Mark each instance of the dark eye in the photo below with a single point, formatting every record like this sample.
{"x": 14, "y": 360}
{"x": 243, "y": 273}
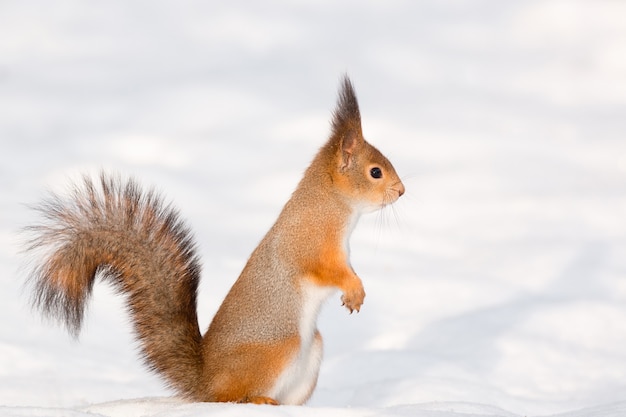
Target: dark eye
{"x": 376, "y": 173}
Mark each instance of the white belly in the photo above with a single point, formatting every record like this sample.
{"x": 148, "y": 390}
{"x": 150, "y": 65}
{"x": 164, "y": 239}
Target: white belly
{"x": 295, "y": 384}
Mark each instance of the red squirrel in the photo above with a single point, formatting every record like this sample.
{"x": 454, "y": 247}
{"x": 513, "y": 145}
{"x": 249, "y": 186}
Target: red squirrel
{"x": 263, "y": 345}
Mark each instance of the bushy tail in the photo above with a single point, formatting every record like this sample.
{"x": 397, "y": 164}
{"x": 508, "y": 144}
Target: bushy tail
{"x": 114, "y": 230}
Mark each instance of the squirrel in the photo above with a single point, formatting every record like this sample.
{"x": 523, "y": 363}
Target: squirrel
{"x": 263, "y": 345}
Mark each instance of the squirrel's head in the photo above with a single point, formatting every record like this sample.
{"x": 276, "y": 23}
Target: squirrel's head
{"x": 359, "y": 171}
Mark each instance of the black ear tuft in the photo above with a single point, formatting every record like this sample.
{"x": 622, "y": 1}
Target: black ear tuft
{"x": 346, "y": 116}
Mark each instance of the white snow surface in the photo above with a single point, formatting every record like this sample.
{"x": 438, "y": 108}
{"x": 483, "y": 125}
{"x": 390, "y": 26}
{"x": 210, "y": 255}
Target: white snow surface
{"x": 495, "y": 287}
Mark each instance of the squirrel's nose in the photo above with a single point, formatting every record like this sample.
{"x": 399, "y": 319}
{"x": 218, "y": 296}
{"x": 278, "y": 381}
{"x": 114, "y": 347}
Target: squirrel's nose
{"x": 400, "y": 190}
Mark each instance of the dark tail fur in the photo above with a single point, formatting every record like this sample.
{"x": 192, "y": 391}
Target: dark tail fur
{"x": 114, "y": 230}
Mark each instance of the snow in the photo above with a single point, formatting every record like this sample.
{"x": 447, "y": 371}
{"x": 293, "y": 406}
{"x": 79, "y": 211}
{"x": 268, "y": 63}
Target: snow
{"x": 496, "y": 286}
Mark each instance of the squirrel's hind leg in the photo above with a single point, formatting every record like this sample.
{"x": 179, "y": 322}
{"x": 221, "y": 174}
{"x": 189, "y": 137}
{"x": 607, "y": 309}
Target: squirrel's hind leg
{"x": 248, "y": 373}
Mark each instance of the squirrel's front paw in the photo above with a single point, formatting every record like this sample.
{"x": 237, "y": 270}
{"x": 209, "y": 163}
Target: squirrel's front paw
{"x": 353, "y": 298}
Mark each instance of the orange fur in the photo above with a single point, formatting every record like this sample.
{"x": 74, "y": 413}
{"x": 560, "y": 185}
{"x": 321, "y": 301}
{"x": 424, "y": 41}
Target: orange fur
{"x": 248, "y": 371}
{"x": 332, "y": 269}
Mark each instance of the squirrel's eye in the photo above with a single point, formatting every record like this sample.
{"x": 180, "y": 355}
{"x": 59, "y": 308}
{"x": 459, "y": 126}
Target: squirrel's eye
{"x": 376, "y": 173}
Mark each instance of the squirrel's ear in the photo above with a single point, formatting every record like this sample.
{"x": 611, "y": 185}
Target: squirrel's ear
{"x": 347, "y": 124}
{"x": 350, "y": 143}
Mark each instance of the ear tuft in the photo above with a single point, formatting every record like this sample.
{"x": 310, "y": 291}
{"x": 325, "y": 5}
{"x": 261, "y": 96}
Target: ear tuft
{"x": 347, "y": 123}
{"x": 346, "y": 115}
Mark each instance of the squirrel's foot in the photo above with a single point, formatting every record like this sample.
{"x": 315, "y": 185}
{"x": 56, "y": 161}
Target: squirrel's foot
{"x": 259, "y": 400}
{"x": 353, "y": 298}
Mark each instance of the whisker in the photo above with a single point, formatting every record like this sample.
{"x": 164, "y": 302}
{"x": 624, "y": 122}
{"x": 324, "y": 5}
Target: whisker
{"x": 396, "y": 209}
{"x": 396, "y": 217}
{"x": 412, "y": 198}
{"x": 380, "y": 218}
{"x": 384, "y": 220}
{"x": 408, "y": 177}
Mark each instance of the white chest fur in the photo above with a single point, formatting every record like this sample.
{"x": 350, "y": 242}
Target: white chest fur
{"x": 298, "y": 379}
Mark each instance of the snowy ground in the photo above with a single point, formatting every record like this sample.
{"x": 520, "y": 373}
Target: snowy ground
{"x": 496, "y": 286}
